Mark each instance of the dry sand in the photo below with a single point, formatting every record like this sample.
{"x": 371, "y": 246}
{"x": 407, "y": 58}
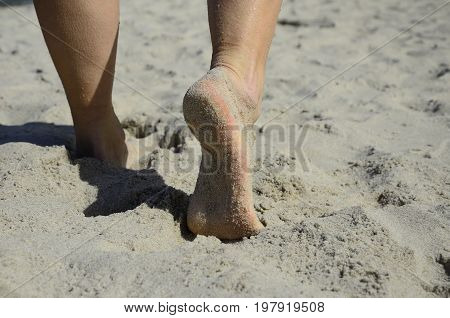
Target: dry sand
{"x": 369, "y": 217}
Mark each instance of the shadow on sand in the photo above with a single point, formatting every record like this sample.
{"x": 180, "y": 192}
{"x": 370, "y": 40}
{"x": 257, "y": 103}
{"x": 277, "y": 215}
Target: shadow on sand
{"x": 119, "y": 190}
{"x": 5, "y": 3}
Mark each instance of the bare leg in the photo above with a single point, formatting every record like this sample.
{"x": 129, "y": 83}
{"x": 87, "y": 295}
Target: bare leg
{"x": 82, "y": 39}
{"x": 222, "y": 102}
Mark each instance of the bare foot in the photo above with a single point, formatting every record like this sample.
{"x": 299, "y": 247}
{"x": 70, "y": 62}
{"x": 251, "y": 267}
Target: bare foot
{"x": 102, "y": 137}
{"x": 216, "y": 109}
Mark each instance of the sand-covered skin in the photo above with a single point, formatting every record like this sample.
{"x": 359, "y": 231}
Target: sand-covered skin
{"x": 369, "y": 217}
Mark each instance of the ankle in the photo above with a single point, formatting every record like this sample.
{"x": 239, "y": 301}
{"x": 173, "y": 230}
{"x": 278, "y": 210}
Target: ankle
{"x": 102, "y": 138}
{"x": 91, "y": 115}
{"x": 91, "y": 125}
{"x": 249, "y": 75}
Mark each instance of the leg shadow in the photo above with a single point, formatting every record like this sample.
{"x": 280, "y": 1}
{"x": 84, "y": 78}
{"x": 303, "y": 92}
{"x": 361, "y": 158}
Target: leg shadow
{"x": 12, "y": 3}
{"x": 119, "y": 190}
{"x": 40, "y": 134}
{"x": 122, "y": 190}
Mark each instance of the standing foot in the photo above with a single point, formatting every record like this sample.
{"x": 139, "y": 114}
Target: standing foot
{"x": 101, "y": 136}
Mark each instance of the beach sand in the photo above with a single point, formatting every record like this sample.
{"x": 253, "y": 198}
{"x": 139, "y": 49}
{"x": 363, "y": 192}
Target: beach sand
{"x": 358, "y": 208}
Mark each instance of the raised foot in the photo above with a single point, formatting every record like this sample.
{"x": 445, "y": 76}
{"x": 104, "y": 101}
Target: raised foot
{"x": 217, "y": 110}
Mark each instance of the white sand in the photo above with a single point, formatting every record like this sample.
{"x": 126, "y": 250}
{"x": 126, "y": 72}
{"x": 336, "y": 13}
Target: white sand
{"x": 370, "y": 217}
